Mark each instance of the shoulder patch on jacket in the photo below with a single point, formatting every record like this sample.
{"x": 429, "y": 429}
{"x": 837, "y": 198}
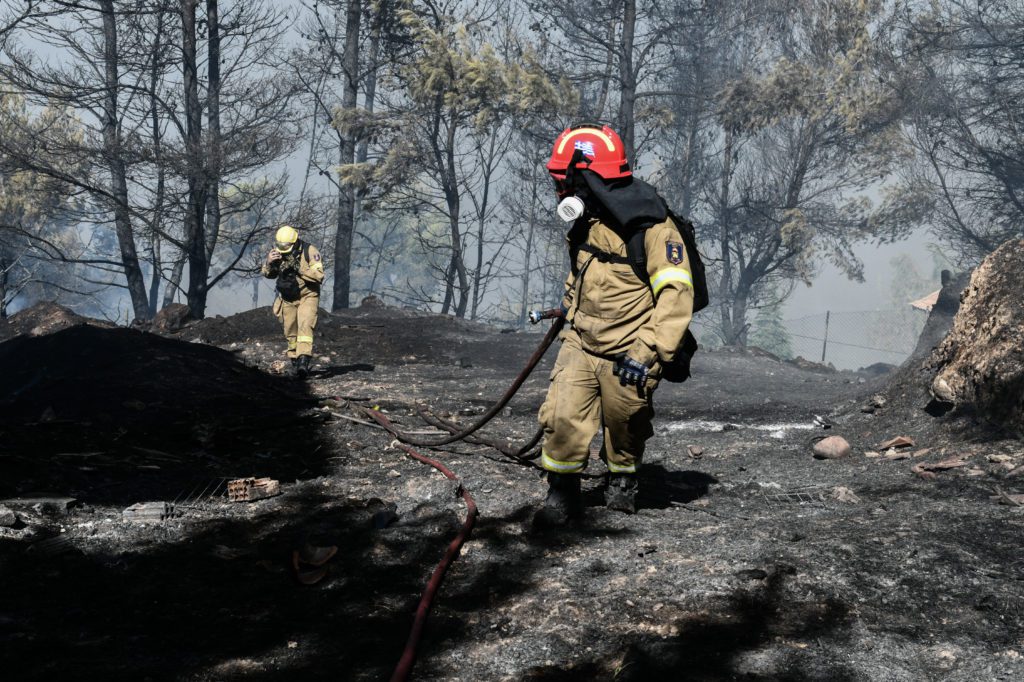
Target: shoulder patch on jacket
{"x": 674, "y": 252}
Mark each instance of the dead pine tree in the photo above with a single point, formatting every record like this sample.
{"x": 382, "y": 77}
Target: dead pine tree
{"x": 89, "y": 81}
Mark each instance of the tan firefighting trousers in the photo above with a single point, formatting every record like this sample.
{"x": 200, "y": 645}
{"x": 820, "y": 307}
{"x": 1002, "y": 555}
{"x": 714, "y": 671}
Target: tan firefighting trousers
{"x": 299, "y": 320}
{"x": 584, "y": 393}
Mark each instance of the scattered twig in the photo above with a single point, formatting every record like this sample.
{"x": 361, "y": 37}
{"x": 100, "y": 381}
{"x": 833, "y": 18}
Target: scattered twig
{"x": 432, "y": 432}
{"x": 687, "y": 507}
{"x": 1008, "y": 499}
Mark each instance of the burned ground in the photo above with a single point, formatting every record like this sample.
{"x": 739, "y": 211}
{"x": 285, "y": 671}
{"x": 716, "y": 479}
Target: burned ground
{"x": 754, "y": 561}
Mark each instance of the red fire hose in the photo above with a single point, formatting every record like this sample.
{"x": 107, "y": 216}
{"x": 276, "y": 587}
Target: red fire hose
{"x": 549, "y": 338}
{"x": 405, "y": 663}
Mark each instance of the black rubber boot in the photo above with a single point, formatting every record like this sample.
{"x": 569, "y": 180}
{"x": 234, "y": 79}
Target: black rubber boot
{"x": 303, "y": 366}
{"x": 563, "y": 502}
{"x": 295, "y": 367}
{"x": 620, "y": 495}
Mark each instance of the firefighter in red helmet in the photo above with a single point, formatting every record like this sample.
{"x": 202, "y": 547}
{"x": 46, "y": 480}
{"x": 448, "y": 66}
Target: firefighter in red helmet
{"x": 626, "y": 315}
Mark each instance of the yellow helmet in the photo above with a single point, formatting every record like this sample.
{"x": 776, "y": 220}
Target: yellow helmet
{"x": 286, "y": 237}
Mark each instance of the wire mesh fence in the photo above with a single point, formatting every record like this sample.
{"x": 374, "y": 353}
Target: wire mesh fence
{"x": 847, "y": 339}
{"x": 851, "y": 340}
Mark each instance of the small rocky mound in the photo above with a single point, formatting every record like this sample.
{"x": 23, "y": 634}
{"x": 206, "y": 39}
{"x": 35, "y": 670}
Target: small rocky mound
{"x": 981, "y": 361}
{"x": 44, "y": 318}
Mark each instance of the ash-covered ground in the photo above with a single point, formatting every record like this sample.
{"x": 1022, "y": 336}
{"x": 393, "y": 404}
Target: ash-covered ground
{"x": 753, "y": 561}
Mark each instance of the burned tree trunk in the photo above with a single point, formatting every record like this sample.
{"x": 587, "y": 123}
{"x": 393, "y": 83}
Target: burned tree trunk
{"x": 627, "y": 76}
{"x": 213, "y": 124}
{"x": 346, "y": 192}
{"x": 195, "y": 233}
{"x": 112, "y": 149}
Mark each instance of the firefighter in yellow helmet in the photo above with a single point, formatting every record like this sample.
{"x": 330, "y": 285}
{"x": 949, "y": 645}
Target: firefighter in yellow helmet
{"x": 626, "y": 318}
{"x": 299, "y": 271}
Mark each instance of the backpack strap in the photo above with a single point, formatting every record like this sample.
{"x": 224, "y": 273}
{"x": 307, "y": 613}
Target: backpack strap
{"x": 636, "y": 255}
{"x": 604, "y": 256}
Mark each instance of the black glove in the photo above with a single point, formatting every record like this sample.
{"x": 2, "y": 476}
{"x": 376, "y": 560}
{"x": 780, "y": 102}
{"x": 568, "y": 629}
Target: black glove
{"x": 630, "y": 371}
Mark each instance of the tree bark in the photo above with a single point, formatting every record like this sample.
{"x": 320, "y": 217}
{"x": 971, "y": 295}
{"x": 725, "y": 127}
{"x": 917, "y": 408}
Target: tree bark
{"x": 117, "y": 167}
{"x": 154, "y": 276}
{"x": 524, "y": 282}
{"x": 214, "y": 155}
{"x": 725, "y": 242}
{"x": 158, "y": 162}
{"x": 3, "y": 288}
{"x": 195, "y": 237}
{"x": 627, "y": 76}
{"x": 371, "y": 75}
{"x": 174, "y": 281}
{"x": 449, "y": 286}
{"x": 347, "y": 193}
{"x": 481, "y": 226}
{"x": 451, "y": 191}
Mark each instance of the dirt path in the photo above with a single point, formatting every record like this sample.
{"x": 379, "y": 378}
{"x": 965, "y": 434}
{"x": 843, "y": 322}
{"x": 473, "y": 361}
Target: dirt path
{"x": 755, "y": 561}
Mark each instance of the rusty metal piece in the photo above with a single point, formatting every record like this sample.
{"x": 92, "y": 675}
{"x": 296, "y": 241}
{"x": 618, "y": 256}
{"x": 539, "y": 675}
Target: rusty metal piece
{"x": 251, "y": 489}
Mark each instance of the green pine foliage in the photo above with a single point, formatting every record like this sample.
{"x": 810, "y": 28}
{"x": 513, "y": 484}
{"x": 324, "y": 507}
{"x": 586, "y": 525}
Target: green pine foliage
{"x": 769, "y": 332}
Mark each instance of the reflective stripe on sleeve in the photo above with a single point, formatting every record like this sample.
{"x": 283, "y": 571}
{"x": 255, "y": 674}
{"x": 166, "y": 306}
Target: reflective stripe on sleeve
{"x": 560, "y": 467}
{"x": 666, "y": 275}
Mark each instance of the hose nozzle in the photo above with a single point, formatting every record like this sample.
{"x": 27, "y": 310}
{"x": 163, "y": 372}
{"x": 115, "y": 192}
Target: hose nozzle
{"x": 538, "y": 315}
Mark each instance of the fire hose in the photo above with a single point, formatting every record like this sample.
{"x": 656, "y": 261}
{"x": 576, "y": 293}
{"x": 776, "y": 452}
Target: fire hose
{"x": 487, "y": 416}
{"x": 408, "y": 658}
{"x": 405, "y": 663}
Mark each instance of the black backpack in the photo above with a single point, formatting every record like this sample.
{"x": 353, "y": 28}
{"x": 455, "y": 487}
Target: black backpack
{"x": 288, "y": 278}
{"x": 678, "y": 370}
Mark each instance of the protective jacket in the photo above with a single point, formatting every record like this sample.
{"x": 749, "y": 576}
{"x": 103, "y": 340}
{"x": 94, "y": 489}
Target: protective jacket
{"x": 299, "y": 272}
{"x": 613, "y": 311}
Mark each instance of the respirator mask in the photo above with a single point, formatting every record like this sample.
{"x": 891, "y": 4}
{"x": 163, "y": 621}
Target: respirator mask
{"x": 571, "y": 208}
{"x": 572, "y": 191}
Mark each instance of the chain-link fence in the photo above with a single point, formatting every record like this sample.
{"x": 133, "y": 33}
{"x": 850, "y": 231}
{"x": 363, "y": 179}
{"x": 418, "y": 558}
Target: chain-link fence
{"x": 847, "y": 340}
{"x": 850, "y": 340}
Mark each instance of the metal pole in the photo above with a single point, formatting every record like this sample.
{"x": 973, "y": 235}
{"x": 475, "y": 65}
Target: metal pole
{"x": 824, "y": 343}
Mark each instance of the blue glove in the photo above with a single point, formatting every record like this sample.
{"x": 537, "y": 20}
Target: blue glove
{"x": 630, "y": 371}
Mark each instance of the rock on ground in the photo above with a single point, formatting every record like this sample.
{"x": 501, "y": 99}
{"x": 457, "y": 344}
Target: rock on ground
{"x": 171, "y": 317}
{"x": 832, "y": 447}
{"x": 981, "y": 361}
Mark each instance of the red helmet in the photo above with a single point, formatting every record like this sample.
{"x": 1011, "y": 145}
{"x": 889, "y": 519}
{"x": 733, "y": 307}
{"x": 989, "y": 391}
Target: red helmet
{"x": 600, "y": 146}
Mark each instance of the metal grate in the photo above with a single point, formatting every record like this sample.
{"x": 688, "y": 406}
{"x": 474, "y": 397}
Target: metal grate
{"x": 813, "y": 497}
